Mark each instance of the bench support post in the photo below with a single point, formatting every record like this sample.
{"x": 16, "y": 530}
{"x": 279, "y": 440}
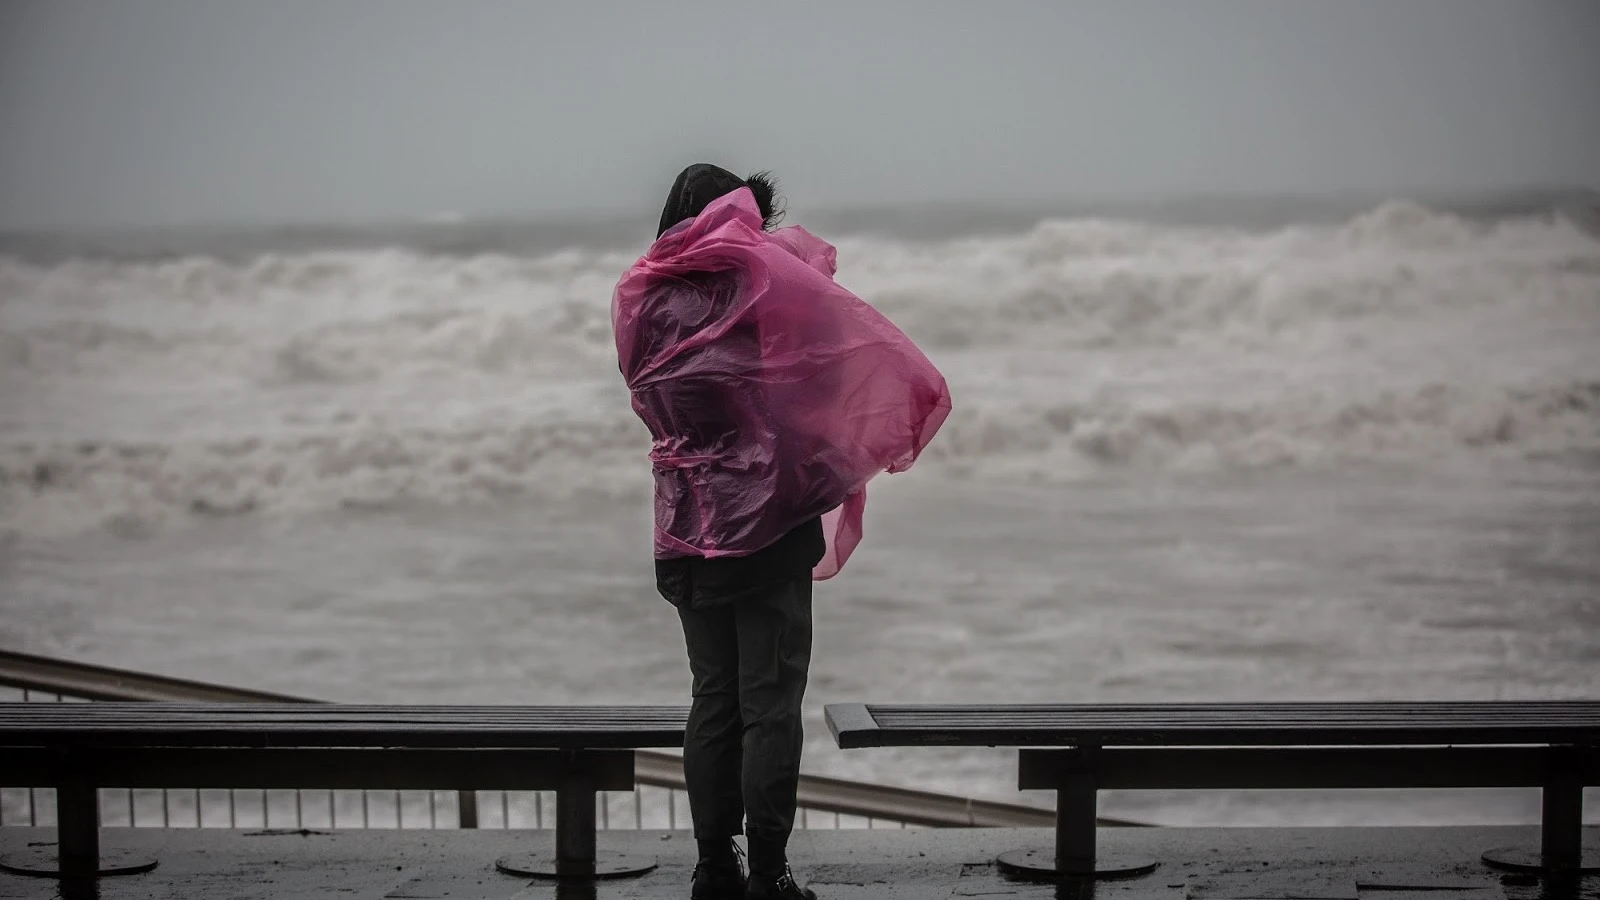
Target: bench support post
{"x": 467, "y": 806}
{"x": 78, "y": 828}
{"x": 583, "y": 774}
{"x": 1076, "y": 808}
{"x": 1075, "y": 776}
{"x": 76, "y": 855}
{"x": 1561, "y": 848}
{"x": 1561, "y": 826}
{"x": 575, "y": 837}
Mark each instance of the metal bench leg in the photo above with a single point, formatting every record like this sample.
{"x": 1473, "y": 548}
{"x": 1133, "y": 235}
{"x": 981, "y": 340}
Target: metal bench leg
{"x": 1561, "y": 827}
{"x": 1076, "y": 810}
{"x": 582, "y": 774}
{"x": 78, "y": 829}
{"x": 575, "y": 837}
{"x": 1074, "y": 774}
{"x": 1561, "y": 824}
{"x": 77, "y": 855}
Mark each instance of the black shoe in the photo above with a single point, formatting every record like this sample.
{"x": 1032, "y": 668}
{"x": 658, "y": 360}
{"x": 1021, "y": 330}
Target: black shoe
{"x": 780, "y": 888}
{"x": 721, "y": 880}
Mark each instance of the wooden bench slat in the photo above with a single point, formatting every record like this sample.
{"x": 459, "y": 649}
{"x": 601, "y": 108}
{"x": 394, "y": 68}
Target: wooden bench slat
{"x": 305, "y": 725}
{"x": 1300, "y": 768}
{"x": 1213, "y": 724}
{"x": 311, "y": 768}
{"x": 327, "y": 710}
{"x": 364, "y": 721}
{"x": 143, "y": 711}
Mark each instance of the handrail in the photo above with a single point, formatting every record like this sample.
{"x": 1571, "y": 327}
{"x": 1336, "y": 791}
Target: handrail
{"x": 59, "y": 676}
{"x": 834, "y": 795}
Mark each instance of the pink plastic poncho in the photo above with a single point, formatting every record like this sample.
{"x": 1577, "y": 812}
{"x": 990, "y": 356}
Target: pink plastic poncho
{"x": 773, "y": 395}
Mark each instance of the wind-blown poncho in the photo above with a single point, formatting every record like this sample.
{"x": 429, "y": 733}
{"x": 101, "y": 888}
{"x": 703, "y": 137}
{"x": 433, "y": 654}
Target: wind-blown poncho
{"x": 773, "y": 394}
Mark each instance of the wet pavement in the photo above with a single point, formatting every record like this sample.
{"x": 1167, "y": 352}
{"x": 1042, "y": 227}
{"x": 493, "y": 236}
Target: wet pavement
{"x": 1198, "y": 863}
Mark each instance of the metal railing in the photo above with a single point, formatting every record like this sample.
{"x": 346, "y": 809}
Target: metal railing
{"x": 659, "y": 800}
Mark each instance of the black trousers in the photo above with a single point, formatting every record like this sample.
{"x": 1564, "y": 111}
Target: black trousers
{"x": 747, "y": 629}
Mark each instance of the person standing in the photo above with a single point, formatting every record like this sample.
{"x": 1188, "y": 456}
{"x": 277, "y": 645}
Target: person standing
{"x": 736, "y": 346}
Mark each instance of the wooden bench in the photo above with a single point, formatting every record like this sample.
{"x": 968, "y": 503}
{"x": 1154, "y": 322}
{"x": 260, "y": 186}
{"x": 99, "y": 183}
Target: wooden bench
{"x": 1076, "y": 750}
{"x": 78, "y": 748}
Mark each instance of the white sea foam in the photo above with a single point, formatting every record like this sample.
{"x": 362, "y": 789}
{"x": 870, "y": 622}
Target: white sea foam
{"x": 138, "y": 394}
{"x": 1351, "y": 460}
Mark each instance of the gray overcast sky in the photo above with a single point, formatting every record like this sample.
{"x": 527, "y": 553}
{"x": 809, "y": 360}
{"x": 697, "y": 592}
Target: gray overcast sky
{"x": 168, "y": 111}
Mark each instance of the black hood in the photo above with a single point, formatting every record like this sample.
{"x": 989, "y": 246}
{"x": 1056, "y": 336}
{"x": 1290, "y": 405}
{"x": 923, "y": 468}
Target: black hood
{"x": 694, "y": 190}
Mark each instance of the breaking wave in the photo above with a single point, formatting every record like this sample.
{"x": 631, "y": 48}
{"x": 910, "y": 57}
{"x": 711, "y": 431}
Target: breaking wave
{"x": 137, "y": 393}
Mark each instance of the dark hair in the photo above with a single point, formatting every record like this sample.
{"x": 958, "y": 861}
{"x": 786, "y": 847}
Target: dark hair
{"x": 765, "y": 186}
{"x": 700, "y": 184}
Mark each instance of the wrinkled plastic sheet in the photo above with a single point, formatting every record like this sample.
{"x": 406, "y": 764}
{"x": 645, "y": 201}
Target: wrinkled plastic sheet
{"x": 772, "y": 394}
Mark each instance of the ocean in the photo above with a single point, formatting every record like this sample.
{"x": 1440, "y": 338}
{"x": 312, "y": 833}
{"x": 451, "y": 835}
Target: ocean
{"x": 1208, "y": 451}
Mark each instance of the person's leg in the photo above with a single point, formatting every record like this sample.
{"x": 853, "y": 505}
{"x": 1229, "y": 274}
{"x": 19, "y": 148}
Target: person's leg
{"x": 774, "y": 632}
{"x": 712, "y": 741}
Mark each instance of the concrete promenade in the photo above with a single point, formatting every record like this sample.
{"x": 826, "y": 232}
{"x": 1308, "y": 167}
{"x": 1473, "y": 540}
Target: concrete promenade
{"x": 1200, "y": 863}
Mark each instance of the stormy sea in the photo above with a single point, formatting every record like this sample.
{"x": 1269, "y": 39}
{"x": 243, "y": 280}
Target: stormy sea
{"x": 1285, "y": 449}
